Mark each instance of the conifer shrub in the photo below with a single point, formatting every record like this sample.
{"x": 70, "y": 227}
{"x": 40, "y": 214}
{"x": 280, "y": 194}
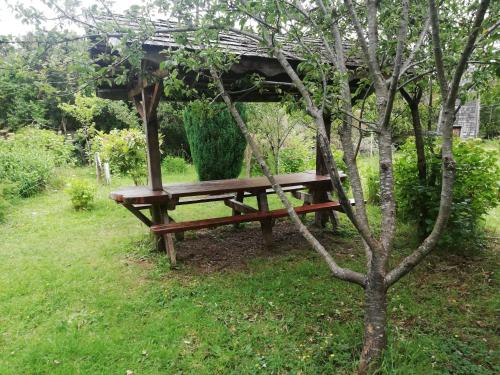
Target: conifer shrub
{"x": 217, "y": 144}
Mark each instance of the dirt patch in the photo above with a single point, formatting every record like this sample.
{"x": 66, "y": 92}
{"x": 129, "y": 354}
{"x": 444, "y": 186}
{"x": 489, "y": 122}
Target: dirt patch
{"x": 212, "y": 250}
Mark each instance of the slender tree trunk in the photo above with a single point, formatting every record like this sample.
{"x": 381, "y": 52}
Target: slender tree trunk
{"x": 413, "y": 102}
{"x": 375, "y": 335}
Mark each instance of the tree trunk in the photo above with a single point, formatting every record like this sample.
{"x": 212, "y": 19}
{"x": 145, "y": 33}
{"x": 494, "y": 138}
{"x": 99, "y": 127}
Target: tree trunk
{"x": 375, "y": 337}
{"x": 413, "y": 103}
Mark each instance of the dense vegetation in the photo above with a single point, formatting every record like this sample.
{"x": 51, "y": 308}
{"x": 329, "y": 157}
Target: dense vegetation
{"x": 475, "y": 190}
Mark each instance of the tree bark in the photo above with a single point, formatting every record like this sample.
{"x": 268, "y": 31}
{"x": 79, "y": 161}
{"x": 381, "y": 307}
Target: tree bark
{"x": 375, "y": 334}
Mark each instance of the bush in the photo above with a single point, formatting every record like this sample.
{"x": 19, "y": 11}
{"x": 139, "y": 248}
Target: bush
{"x": 82, "y": 194}
{"x": 475, "y": 190}
{"x": 174, "y": 164}
{"x": 125, "y": 151}
{"x": 28, "y": 159}
{"x": 48, "y": 142}
{"x": 217, "y": 144}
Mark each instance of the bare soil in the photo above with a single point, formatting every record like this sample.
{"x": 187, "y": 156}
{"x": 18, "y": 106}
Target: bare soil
{"x": 213, "y": 250}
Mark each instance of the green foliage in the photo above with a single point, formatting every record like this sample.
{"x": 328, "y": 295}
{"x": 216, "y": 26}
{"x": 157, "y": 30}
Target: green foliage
{"x": 174, "y": 164}
{"x": 28, "y": 159}
{"x": 293, "y": 160}
{"x": 490, "y": 111}
{"x": 46, "y": 141}
{"x": 81, "y": 193}
{"x": 90, "y": 114}
{"x": 475, "y": 191}
{"x": 217, "y": 144}
{"x": 104, "y": 114}
{"x": 35, "y": 77}
{"x": 172, "y": 129}
{"x": 125, "y": 150}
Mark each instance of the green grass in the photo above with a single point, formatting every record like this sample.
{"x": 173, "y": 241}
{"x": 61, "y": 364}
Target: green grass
{"x": 81, "y": 293}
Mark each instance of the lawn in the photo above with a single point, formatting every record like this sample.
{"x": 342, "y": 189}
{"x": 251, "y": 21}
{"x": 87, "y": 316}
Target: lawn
{"x": 81, "y": 293}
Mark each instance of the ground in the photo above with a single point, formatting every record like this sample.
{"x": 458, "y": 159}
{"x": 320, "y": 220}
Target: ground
{"x": 81, "y": 292}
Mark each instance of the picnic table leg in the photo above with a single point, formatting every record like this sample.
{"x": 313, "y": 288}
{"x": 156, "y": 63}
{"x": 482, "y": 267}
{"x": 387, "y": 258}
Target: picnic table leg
{"x": 239, "y": 197}
{"x": 156, "y": 218}
{"x": 267, "y": 224}
{"x": 169, "y": 242}
{"x": 179, "y": 236}
{"x": 320, "y": 218}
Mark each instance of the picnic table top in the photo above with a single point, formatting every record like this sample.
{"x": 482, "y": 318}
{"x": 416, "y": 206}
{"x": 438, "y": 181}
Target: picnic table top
{"x": 143, "y": 194}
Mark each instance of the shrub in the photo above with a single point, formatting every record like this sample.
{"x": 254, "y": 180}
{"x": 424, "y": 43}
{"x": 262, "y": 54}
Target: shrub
{"x": 46, "y": 141}
{"x": 28, "y": 159}
{"x": 292, "y": 161}
{"x": 125, "y": 150}
{"x": 217, "y": 144}
{"x": 82, "y": 194}
{"x": 475, "y": 190}
{"x": 26, "y": 168}
{"x": 174, "y": 164}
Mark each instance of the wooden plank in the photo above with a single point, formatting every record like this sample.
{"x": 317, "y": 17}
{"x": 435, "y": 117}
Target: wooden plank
{"x": 251, "y": 185}
{"x": 256, "y": 216}
{"x": 207, "y": 191}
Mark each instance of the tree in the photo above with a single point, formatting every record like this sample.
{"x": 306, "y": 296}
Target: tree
{"x": 216, "y": 143}
{"x": 37, "y": 73}
{"x": 325, "y": 21}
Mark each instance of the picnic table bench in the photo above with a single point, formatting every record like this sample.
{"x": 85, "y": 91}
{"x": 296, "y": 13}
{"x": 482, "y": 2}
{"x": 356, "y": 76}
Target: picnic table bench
{"x": 233, "y": 192}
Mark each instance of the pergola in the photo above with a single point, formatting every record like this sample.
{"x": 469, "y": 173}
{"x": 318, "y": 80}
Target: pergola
{"x": 252, "y": 59}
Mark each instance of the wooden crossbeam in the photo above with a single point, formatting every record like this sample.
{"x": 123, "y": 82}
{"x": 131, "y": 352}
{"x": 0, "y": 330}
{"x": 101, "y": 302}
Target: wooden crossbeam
{"x": 255, "y": 216}
{"x": 239, "y": 206}
{"x": 303, "y": 196}
{"x": 138, "y": 214}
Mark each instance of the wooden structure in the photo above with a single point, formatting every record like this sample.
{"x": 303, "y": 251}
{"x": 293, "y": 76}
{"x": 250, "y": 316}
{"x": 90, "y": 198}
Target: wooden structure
{"x": 146, "y": 93}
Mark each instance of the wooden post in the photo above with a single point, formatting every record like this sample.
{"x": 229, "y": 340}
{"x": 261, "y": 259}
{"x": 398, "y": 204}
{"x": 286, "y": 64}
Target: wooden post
{"x": 321, "y": 218}
{"x": 146, "y": 101}
{"x": 98, "y": 167}
{"x": 267, "y": 224}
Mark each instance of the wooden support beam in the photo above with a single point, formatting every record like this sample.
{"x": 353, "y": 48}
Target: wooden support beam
{"x": 239, "y": 207}
{"x": 147, "y": 104}
{"x": 138, "y": 214}
{"x": 303, "y": 196}
{"x": 318, "y": 196}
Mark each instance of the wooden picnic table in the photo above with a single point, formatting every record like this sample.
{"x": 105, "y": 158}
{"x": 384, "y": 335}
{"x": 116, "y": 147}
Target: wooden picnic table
{"x": 232, "y": 192}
